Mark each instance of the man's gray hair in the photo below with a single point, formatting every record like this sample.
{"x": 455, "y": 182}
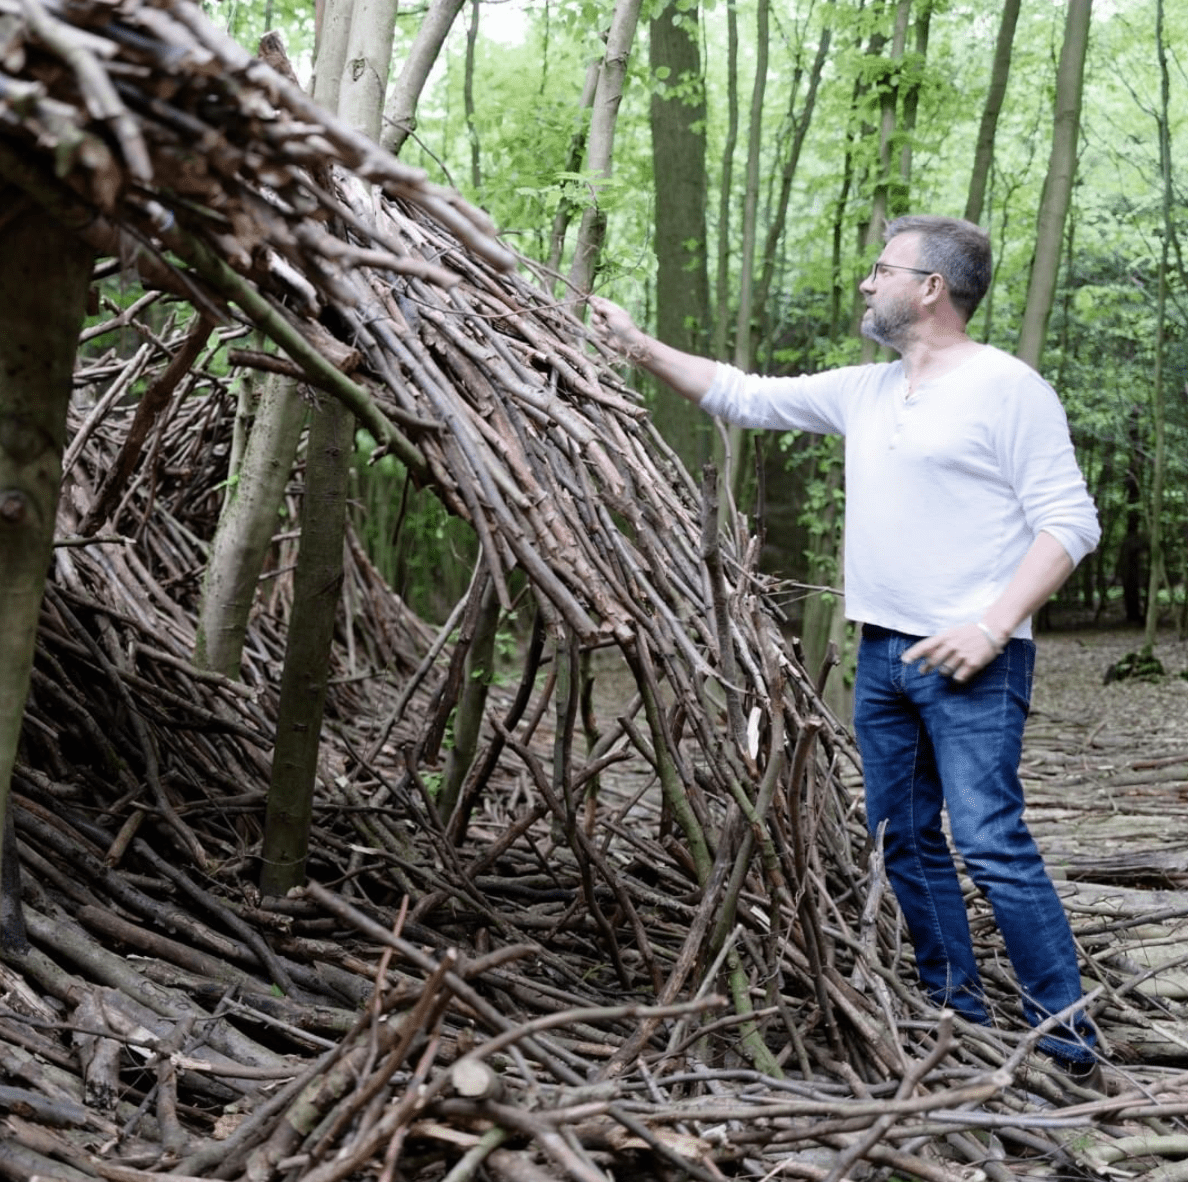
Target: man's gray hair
{"x": 956, "y": 250}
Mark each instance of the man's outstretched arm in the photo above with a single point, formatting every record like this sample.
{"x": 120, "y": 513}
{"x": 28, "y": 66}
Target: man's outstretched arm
{"x": 689, "y": 375}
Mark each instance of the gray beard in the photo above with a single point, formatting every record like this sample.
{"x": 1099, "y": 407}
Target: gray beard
{"x": 888, "y": 327}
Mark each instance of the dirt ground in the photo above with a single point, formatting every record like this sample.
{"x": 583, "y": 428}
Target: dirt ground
{"x": 1069, "y": 684}
{"x": 1106, "y": 766}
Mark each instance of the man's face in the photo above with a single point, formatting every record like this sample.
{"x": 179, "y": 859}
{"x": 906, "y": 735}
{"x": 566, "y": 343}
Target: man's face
{"x": 892, "y": 292}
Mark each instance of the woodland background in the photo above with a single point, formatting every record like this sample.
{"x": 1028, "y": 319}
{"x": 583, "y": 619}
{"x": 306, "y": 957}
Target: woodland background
{"x": 732, "y": 200}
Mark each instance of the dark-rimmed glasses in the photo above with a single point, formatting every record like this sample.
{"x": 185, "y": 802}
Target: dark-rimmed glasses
{"x": 878, "y": 267}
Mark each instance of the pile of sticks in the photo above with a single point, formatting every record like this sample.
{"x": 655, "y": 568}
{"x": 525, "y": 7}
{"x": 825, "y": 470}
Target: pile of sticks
{"x": 655, "y": 941}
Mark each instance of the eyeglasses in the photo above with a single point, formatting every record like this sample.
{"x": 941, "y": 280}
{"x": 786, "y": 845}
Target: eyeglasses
{"x": 877, "y": 270}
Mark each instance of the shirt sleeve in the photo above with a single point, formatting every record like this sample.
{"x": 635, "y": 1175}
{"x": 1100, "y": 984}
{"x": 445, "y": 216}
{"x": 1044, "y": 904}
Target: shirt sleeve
{"x": 810, "y": 402}
{"x": 1037, "y": 457}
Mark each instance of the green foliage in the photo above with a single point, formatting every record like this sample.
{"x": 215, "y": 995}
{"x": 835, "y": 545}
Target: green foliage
{"x": 1141, "y": 666}
{"x": 424, "y": 554}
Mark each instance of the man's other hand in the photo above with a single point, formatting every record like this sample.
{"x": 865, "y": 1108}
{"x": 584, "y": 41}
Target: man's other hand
{"x": 958, "y": 652}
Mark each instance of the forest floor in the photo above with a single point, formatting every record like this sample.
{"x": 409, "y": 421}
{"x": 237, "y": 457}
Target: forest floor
{"x": 1106, "y": 771}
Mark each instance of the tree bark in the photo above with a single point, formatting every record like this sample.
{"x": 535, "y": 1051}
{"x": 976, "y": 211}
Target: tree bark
{"x": 1158, "y": 414}
{"x": 369, "y": 57}
{"x": 910, "y": 87}
{"x": 247, "y": 525}
{"x": 1062, "y": 166}
{"x": 888, "y": 118}
{"x": 722, "y": 281}
{"x": 317, "y": 588}
{"x": 800, "y": 124}
{"x": 400, "y": 118}
{"x": 566, "y": 206}
{"x": 1000, "y": 72}
{"x": 678, "y": 157}
{"x": 334, "y": 30}
{"x": 479, "y": 670}
{"x": 476, "y": 173}
{"x": 605, "y": 112}
{"x": 743, "y": 332}
{"x": 44, "y": 275}
{"x": 317, "y": 582}
{"x": 249, "y": 515}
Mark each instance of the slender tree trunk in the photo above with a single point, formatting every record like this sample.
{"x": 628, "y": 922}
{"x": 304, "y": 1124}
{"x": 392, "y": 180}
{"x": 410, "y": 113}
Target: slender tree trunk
{"x": 607, "y": 96}
{"x": 678, "y": 157}
{"x": 900, "y": 202}
{"x": 476, "y": 174}
{"x": 1130, "y": 557}
{"x": 1062, "y": 166}
{"x": 255, "y": 489}
{"x": 334, "y": 30}
{"x": 478, "y": 672}
{"x": 317, "y": 589}
{"x": 400, "y": 118}
{"x": 566, "y": 206}
{"x": 888, "y": 113}
{"x": 317, "y": 581}
{"x": 800, "y": 124}
{"x": 722, "y": 282}
{"x": 1158, "y": 414}
{"x": 369, "y": 57}
{"x": 744, "y": 329}
{"x": 44, "y": 275}
{"x": 730, "y": 459}
{"x": 1000, "y": 73}
{"x": 247, "y": 525}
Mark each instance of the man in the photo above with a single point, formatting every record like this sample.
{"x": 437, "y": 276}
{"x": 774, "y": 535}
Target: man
{"x": 965, "y": 512}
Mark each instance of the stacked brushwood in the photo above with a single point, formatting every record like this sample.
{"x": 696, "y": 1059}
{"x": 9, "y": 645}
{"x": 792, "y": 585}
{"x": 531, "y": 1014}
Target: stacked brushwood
{"x": 650, "y": 940}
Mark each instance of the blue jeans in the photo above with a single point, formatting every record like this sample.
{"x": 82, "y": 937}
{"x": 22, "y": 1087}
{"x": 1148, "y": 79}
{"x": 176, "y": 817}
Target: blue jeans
{"x": 929, "y": 742}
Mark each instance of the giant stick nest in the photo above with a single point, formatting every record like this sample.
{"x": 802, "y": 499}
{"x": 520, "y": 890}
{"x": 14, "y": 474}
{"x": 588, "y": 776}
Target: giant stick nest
{"x": 652, "y": 941}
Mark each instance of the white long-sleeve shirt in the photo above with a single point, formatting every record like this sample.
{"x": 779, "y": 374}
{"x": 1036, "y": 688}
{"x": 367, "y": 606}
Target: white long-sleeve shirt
{"x": 945, "y": 490}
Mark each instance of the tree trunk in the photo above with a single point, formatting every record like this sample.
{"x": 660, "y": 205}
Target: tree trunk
{"x": 743, "y": 332}
{"x": 247, "y": 525}
{"x": 334, "y": 30}
{"x": 800, "y": 124}
{"x": 249, "y": 515}
{"x": 44, "y": 275}
{"x": 900, "y": 202}
{"x": 888, "y": 113}
{"x": 317, "y": 582}
{"x": 1158, "y": 415}
{"x": 730, "y": 460}
{"x": 479, "y": 670}
{"x": 476, "y": 173}
{"x": 1130, "y": 557}
{"x": 1000, "y": 72}
{"x": 566, "y": 206}
{"x": 400, "y": 118}
{"x": 1062, "y": 165}
{"x": 722, "y": 282}
{"x": 607, "y": 96}
{"x": 317, "y": 588}
{"x": 369, "y": 57}
{"x": 678, "y": 157}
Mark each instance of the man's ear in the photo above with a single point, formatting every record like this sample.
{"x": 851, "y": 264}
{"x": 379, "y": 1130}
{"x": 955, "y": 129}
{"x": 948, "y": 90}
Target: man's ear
{"x": 934, "y": 289}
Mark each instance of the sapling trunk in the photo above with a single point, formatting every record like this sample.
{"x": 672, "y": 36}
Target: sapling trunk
{"x": 44, "y": 275}
{"x": 247, "y": 525}
{"x": 468, "y": 719}
{"x": 317, "y": 586}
